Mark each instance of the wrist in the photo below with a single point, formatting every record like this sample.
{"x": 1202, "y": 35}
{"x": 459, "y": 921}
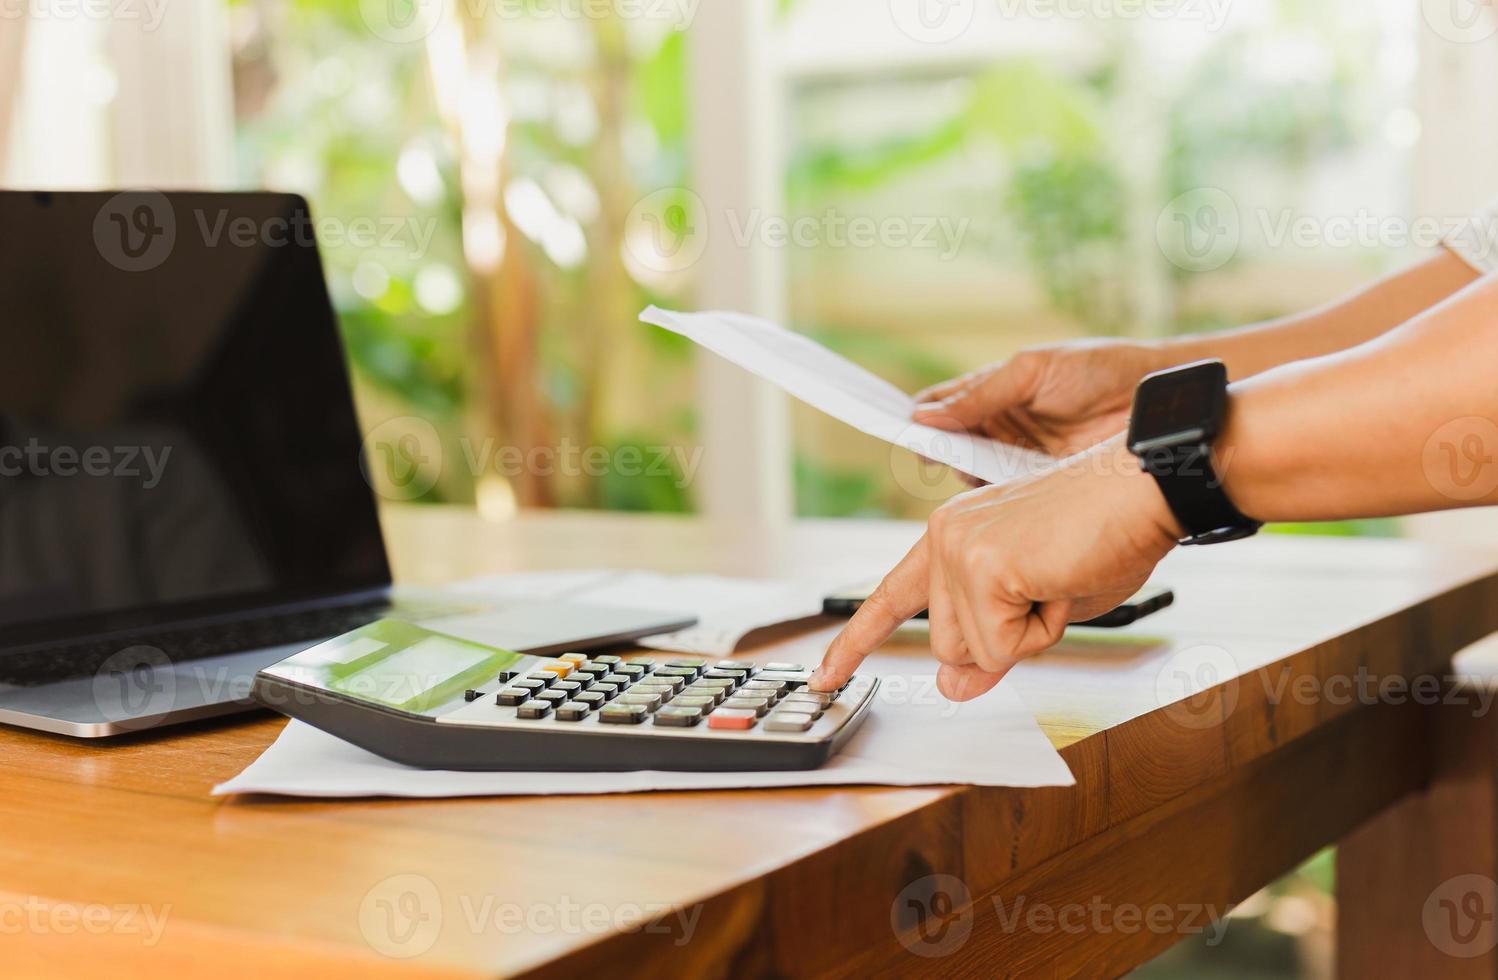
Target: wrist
{"x": 1141, "y": 495}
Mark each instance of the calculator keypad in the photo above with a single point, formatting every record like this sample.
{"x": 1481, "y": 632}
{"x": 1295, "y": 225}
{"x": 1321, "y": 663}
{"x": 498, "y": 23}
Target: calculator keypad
{"x": 728, "y": 699}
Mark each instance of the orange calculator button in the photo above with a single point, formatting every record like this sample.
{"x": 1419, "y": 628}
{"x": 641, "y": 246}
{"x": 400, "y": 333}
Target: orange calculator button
{"x": 732, "y": 720}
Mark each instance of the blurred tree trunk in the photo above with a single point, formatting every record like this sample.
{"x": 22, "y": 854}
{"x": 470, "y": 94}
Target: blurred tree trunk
{"x": 607, "y": 317}
{"x": 506, "y": 304}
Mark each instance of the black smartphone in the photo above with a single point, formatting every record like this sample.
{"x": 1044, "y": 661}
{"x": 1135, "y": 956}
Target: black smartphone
{"x": 1150, "y": 599}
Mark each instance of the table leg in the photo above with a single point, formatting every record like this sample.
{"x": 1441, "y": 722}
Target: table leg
{"x": 1416, "y": 887}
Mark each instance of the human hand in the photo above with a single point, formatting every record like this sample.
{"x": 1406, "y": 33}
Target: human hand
{"x": 1060, "y": 399}
{"x": 1003, "y": 569}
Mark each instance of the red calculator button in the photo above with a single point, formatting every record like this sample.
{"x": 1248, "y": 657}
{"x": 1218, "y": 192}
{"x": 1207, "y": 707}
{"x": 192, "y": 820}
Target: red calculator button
{"x": 732, "y": 720}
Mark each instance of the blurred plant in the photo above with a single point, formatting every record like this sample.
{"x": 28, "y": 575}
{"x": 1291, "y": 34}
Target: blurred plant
{"x": 522, "y": 142}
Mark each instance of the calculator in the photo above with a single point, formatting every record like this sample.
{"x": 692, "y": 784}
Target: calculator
{"x": 435, "y": 701}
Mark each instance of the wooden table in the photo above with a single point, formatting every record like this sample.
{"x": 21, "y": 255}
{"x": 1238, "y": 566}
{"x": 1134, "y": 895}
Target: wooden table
{"x": 1181, "y": 809}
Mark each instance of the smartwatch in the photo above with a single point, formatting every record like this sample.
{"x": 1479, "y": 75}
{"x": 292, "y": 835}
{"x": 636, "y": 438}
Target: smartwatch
{"x": 1177, "y": 416}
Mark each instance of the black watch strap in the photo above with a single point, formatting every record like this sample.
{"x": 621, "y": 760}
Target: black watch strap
{"x": 1178, "y": 414}
{"x": 1195, "y": 496}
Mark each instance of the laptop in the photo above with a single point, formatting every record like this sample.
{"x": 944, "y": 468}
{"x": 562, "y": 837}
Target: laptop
{"x": 183, "y": 497}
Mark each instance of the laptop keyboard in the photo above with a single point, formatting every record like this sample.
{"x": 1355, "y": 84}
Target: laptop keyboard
{"x": 83, "y": 659}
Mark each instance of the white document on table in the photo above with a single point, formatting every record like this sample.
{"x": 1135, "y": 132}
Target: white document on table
{"x": 832, "y": 384}
{"x": 912, "y": 737}
{"x": 727, "y": 609}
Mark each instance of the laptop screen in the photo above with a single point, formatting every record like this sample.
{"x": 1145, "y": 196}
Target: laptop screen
{"x": 177, "y": 431}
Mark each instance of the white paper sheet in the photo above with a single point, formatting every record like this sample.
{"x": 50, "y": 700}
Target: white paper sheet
{"x": 832, "y": 384}
{"x": 727, "y": 609}
{"x": 913, "y": 737}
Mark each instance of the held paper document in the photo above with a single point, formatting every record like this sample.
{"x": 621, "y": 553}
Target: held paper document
{"x": 834, "y": 385}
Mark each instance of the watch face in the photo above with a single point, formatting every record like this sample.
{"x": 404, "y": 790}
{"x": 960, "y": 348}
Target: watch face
{"x": 1178, "y": 405}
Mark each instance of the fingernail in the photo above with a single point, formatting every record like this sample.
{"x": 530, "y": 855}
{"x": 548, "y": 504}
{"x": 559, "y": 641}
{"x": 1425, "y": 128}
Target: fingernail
{"x": 925, "y": 408}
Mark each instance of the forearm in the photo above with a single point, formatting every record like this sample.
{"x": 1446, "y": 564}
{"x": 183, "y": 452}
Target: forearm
{"x": 1346, "y": 323}
{"x": 1402, "y": 424}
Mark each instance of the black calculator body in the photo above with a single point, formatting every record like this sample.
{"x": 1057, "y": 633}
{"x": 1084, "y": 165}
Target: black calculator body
{"x": 434, "y": 701}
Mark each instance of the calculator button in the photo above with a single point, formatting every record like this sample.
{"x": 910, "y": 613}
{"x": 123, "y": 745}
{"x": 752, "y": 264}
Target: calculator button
{"x": 688, "y": 701}
{"x": 649, "y": 701}
{"x": 573, "y": 711}
{"x": 511, "y": 697}
{"x": 592, "y": 699}
{"x": 632, "y": 671}
{"x": 772, "y": 688}
{"x": 505, "y": 676}
{"x": 534, "y": 709}
{"x": 735, "y": 665}
{"x": 608, "y": 660}
{"x": 795, "y": 678}
{"x": 817, "y": 696}
{"x": 623, "y": 714}
{"x": 644, "y": 662}
{"x": 716, "y": 694}
{"x": 789, "y": 721}
{"x": 559, "y": 667}
{"x": 552, "y": 697}
{"x": 727, "y": 683}
{"x": 531, "y": 684}
{"x": 732, "y": 720}
{"x": 472, "y": 695}
{"x": 793, "y": 667}
{"x": 757, "y": 705}
{"x": 686, "y": 673}
{"x": 567, "y": 687}
{"x": 676, "y": 716}
{"x": 800, "y": 708}
{"x": 593, "y": 669}
{"x": 723, "y": 675}
{"x": 672, "y": 684}
{"x": 576, "y": 658}
{"x": 619, "y": 680}
{"x": 607, "y": 690}
{"x": 691, "y": 662}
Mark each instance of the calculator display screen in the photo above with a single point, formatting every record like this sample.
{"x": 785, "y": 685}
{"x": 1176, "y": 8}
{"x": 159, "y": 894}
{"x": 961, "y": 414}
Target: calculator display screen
{"x": 396, "y": 665}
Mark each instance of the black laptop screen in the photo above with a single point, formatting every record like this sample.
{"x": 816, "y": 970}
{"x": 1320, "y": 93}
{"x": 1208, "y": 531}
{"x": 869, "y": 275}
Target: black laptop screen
{"x": 177, "y": 433}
